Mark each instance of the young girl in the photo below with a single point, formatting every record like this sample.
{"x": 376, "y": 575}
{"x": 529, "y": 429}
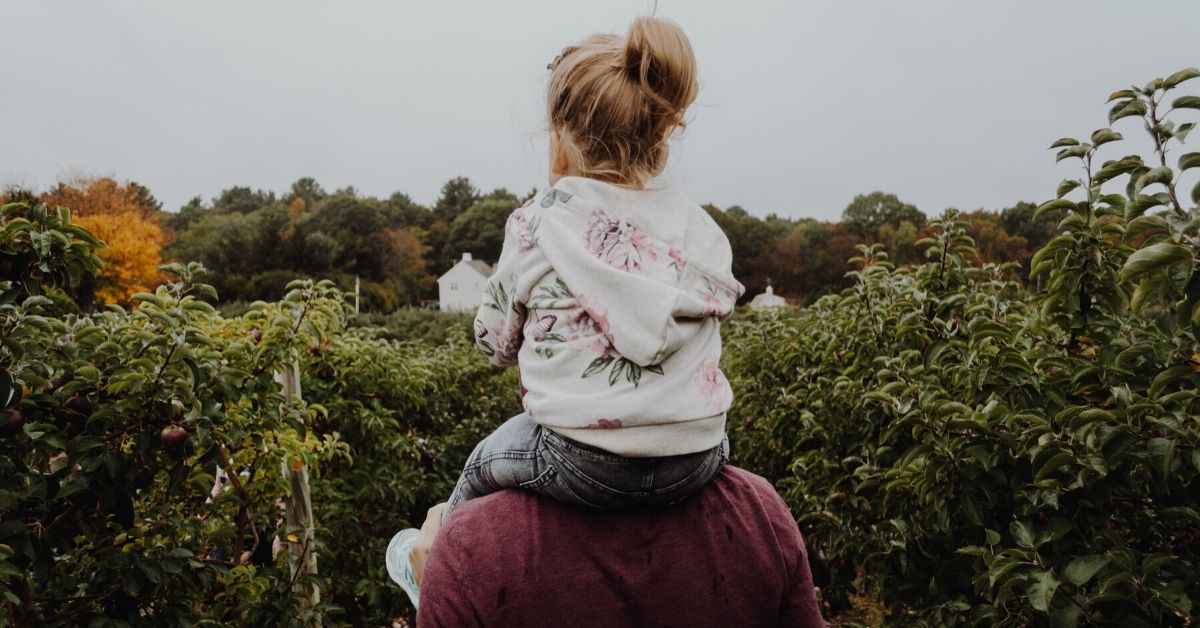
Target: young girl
{"x": 608, "y": 295}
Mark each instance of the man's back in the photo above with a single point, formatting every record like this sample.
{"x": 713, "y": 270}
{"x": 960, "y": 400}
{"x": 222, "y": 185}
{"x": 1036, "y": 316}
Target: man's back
{"x": 729, "y": 556}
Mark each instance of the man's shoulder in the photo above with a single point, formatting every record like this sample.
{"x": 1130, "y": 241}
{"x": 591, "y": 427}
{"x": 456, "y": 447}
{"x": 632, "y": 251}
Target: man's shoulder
{"x": 732, "y": 489}
{"x": 516, "y": 558}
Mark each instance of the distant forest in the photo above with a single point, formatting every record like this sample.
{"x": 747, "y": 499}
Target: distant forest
{"x": 254, "y": 242}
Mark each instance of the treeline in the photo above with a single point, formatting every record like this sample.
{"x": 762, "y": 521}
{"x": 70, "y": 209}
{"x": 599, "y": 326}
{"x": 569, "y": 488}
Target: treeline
{"x": 805, "y": 258}
{"x": 255, "y": 241}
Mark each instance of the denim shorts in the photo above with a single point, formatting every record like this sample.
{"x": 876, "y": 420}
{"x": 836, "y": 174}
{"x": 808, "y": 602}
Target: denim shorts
{"x": 522, "y": 454}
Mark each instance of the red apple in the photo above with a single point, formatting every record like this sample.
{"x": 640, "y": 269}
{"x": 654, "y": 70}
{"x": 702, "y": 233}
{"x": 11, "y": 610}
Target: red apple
{"x": 172, "y": 439}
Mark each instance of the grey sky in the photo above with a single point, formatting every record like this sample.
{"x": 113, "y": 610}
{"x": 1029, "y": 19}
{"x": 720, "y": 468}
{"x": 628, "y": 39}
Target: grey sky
{"x": 803, "y": 104}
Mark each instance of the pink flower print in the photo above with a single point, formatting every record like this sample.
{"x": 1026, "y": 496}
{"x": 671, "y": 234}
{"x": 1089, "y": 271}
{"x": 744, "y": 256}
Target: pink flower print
{"x": 714, "y": 305}
{"x": 508, "y": 342}
{"x": 678, "y": 261}
{"x": 712, "y": 382}
{"x": 525, "y": 238}
{"x": 617, "y": 242}
{"x": 604, "y": 424}
{"x": 589, "y": 321}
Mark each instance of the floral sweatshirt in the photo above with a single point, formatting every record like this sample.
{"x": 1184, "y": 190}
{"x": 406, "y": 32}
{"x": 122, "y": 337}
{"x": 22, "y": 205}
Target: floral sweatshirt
{"x": 610, "y": 300}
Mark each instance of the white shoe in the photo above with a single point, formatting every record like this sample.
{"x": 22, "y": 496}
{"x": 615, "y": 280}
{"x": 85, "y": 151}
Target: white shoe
{"x": 399, "y": 567}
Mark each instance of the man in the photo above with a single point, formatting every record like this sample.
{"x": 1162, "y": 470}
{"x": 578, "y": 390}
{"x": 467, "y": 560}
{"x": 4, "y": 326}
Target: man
{"x": 730, "y": 555}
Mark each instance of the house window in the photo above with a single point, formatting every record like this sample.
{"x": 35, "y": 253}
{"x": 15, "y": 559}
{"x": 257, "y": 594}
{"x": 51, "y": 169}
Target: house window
{"x": 454, "y": 286}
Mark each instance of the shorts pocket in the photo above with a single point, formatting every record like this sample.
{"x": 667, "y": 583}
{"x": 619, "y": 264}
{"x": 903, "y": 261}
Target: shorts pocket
{"x": 542, "y": 479}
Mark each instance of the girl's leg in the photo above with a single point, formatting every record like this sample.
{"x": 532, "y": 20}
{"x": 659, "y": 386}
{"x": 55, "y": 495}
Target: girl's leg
{"x": 507, "y": 458}
{"x": 510, "y": 457}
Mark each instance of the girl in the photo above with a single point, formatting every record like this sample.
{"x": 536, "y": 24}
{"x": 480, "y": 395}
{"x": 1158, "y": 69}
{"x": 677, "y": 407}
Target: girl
{"x": 608, "y": 295}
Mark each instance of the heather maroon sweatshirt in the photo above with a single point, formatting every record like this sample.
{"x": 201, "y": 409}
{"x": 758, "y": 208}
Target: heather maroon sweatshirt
{"x": 730, "y": 555}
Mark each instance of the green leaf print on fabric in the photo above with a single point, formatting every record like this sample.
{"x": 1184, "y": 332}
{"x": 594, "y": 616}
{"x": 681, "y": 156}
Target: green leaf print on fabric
{"x": 549, "y": 297}
{"x": 497, "y": 296}
{"x": 620, "y": 369}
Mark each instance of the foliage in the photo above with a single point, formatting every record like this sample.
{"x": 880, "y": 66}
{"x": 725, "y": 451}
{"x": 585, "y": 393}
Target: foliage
{"x": 40, "y": 249}
{"x": 749, "y": 236}
{"x": 431, "y": 327}
{"x": 255, "y": 250}
{"x": 808, "y": 259}
{"x": 970, "y": 454}
{"x": 116, "y": 425}
{"x": 126, "y": 218}
{"x": 480, "y": 229}
{"x": 868, "y": 212}
{"x": 954, "y": 446}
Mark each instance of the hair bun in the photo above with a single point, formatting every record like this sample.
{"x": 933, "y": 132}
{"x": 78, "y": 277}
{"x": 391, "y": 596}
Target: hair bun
{"x": 659, "y": 59}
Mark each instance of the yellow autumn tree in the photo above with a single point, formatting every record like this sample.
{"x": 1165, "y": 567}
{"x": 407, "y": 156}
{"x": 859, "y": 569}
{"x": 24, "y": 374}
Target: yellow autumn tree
{"x": 126, "y": 217}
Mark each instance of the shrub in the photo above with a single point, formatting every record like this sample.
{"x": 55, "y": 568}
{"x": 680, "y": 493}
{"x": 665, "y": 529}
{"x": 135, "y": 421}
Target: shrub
{"x": 115, "y": 426}
{"x": 970, "y": 454}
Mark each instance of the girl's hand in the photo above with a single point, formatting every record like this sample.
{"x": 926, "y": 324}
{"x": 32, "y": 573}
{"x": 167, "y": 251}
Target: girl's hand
{"x": 424, "y": 542}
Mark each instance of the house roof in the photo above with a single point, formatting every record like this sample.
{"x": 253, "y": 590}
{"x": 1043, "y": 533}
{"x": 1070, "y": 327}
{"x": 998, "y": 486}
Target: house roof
{"x": 479, "y": 266}
{"x": 483, "y": 267}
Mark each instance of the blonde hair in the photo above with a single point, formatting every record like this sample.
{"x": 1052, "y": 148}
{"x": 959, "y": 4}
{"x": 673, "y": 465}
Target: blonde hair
{"x": 615, "y": 101}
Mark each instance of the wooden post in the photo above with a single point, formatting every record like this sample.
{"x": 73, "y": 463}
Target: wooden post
{"x": 356, "y": 290}
{"x": 302, "y": 556}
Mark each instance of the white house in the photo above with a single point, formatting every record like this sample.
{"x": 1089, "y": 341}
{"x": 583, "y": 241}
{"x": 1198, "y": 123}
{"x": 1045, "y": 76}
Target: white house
{"x": 767, "y": 299}
{"x": 461, "y": 288}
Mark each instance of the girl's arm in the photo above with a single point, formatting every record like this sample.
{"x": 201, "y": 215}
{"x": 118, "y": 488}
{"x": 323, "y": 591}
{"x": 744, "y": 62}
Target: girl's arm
{"x": 500, "y": 324}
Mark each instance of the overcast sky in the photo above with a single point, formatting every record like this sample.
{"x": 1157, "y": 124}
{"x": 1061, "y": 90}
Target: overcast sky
{"x": 802, "y": 106}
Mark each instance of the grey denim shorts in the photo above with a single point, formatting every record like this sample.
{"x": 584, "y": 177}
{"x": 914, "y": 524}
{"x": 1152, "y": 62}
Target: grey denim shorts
{"x": 523, "y": 454}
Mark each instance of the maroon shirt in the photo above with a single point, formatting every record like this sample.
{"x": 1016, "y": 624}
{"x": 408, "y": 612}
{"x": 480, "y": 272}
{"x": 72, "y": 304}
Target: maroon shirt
{"x": 730, "y": 555}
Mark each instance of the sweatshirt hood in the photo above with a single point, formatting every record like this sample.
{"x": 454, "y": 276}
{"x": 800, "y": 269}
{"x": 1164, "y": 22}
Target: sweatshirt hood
{"x": 647, "y": 266}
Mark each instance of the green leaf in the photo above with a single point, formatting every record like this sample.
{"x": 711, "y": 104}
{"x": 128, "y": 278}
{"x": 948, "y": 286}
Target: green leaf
{"x": 1189, "y": 160}
{"x": 1145, "y": 202}
{"x": 1053, "y": 464}
{"x": 1104, "y": 136}
{"x": 1021, "y": 533}
{"x": 1054, "y": 205}
{"x": 1083, "y": 568}
{"x": 1182, "y": 132}
{"x": 1153, "y": 258}
{"x": 1066, "y": 141}
{"x": 1161, "y": 174}
{"x": 1160, "y": 452}
{"x": 1122, "y": 94}
{"x": 1180, "y": 76}
{"x": 1115, "y": 168}
{"x": 1166, "y": 377}
{"x": 1127, "y": 109}
{"x": 993, "y": 537}
{"x": 1186, "y": 102}
{"x": 1041, "y": 592}
{"x": 1141, "y": 224}
{"x": 1066, "y": 186}
{"x": 1073, "y": 151}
